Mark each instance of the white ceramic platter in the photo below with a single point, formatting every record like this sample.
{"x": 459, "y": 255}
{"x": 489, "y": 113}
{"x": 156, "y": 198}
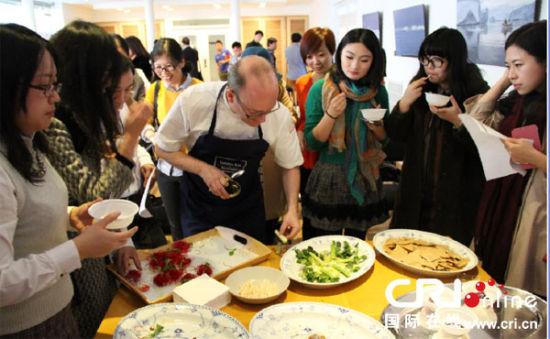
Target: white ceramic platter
{"x": 301, "y": 320}
{"x": 293, "y": 270}
{"x": 179, "y": 321}
{"x": 463, "y": 251}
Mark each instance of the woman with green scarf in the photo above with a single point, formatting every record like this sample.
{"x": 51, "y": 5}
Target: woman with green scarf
{"x": 344, "y": 190}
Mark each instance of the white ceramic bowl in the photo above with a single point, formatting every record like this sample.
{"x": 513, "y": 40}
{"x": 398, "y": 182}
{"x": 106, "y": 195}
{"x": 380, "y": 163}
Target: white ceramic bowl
{"x": 373, "y": 114}
{"x": 236, "y": 280}
{"x": 126, "y": 208}
{"x": 437, "y": 100}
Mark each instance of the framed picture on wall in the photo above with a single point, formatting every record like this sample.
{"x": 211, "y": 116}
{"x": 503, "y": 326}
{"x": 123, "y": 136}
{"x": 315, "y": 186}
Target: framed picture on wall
{"x": 410, "y": 30}
{"x": 486, "y": 24}
{"x": 373, "y": 22}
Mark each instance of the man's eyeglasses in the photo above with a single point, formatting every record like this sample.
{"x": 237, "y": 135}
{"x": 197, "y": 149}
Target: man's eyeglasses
{"x": 252, "y": 114}
{"x": 167, "y": 68}
{"x": 435, "y": 61}
{"x": 47, "y": 89}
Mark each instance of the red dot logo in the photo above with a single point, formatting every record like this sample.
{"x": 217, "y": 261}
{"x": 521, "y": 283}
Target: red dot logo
{"x": 480, "y": 286}
{"x": 471, "y": 299}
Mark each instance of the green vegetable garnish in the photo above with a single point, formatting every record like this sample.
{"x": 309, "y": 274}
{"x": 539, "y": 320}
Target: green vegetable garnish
{"x": 232, "y": 251}
{"x": 156, "y": 331}
{"x": 330, "y": 266}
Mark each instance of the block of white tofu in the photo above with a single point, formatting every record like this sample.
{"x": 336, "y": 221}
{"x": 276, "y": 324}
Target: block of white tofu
{"x": 202, "y": 290}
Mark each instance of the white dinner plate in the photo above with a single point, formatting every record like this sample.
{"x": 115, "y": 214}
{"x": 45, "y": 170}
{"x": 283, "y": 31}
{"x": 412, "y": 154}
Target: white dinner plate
{"x": 180, "y": 320}
{"x": 293, "y": 270}
{"x": 300, "y": 320}
{"x": 463, "y": 251}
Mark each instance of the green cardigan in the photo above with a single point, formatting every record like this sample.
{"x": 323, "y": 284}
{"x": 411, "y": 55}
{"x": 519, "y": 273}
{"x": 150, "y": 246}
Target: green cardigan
{"x": 314, "y": 114}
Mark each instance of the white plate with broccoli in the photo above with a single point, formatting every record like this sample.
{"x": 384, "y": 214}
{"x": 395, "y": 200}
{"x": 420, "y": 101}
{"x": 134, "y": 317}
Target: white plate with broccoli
{"x": 328, "y": 261}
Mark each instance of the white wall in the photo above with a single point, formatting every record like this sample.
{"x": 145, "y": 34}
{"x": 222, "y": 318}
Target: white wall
{"x": 74, "y": 12}
{"x": 207, "y": 11}
{"x": 47, "y": 19}
{"x": 348, "y": 14}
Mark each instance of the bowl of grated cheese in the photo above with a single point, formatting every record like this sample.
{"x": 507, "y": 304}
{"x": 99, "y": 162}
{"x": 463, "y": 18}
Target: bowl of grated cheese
{"x": 257, "y": 285}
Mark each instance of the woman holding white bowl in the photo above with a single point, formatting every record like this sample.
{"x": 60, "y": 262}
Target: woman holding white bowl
{"x": 442, "y": 175}
{"x": 35, "y": 254}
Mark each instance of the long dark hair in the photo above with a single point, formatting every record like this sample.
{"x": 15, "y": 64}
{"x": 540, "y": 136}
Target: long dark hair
{"x": 21, "y": 53}
{"x": 531, "y": 38}
{"x": 170, "y": 48}
{"x": 448, "y": 43}
{"x": 367, "y": 37}
{"x": 136, "y": 46}
{"x": 90, "y": 68}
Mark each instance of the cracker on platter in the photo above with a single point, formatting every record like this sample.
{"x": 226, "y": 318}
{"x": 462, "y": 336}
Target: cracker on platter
{"x": 424, "y": 254}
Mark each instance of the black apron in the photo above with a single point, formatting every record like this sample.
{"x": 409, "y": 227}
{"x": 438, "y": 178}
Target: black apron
{"x": 203, "y": 210}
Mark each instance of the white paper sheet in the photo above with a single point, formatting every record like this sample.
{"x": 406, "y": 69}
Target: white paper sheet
{"x": 495, "y": 159}
{"x": 143, "y": 211}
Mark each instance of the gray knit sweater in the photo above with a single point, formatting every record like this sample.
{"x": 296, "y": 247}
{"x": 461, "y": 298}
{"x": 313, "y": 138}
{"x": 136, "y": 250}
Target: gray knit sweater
{"x": 86, "y": 178}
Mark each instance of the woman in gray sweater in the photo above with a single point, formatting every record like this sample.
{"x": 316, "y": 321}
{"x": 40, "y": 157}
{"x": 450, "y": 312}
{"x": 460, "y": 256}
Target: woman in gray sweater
{"x": 35, "y": 254}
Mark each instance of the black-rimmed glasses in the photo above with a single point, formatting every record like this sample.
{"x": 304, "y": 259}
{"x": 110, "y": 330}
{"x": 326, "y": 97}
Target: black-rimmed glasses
{"x": 436, "y": 62}
{"x": 47, "y": 89}
{"x": 167, "y": 68}
{"x": 253, "y": 114}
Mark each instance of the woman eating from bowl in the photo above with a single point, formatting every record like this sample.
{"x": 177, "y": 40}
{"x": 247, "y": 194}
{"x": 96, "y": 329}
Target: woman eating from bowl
{"x": 442, "y": 175}
{"x": 84, "y": 148}
{"x": 35, "y": 255}
{"x": 344, "y": 190}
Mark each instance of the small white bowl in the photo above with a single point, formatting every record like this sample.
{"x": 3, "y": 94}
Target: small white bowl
{"x": 437, "y": 100}
{"x": 126, "y": 208}
{"x": 236, "y": 280}
{"x": 455, "y": 322}
{"x": 373, "y": 114}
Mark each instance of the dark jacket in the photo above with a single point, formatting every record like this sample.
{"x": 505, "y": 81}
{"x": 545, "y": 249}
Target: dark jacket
{"x": 191, "y": 57}
{"x": 442, "y": 176}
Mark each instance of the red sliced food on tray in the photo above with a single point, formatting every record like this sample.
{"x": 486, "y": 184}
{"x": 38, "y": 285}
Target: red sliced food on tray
{"x": 204, "y": 268}
{"x": 144, "y": 287}
{"x": 161, "y": 279}
{"x": 188, "y": 276}
{"x": 133, "y": 276}
{"x": 182, "y": 245}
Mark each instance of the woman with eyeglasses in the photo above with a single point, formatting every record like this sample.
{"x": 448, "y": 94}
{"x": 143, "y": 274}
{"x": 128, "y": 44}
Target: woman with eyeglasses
{"x": 344, "y": 190}
{"x": 510, "y": 234}
{"x": 172, "y": 78}
{"x": 36, "y": 256}
{"x": 442, "y": 176}
{"x": 84, "y": 148}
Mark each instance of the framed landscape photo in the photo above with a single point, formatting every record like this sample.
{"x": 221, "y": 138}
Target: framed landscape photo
{"x": 410, "y": 30}
{"x": 486, "y": 24}
{"x": 373, "y": 22}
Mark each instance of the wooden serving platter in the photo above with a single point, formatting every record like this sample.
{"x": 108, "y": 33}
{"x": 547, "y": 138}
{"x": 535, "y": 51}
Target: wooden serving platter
{"x": 217, "y": 247}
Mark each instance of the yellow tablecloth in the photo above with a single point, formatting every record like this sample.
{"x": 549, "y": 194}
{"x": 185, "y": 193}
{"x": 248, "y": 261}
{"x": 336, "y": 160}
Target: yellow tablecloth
{"x": 366, "y": 294}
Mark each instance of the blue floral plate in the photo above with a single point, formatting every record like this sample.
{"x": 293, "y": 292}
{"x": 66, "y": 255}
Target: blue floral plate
{"x": 305, "y": 319}
{"x": 179, "y": 321}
